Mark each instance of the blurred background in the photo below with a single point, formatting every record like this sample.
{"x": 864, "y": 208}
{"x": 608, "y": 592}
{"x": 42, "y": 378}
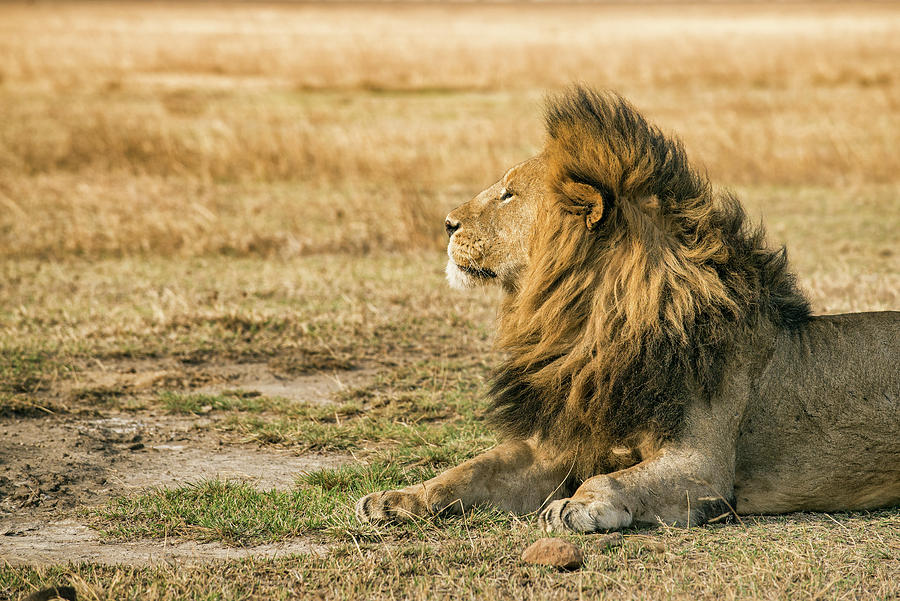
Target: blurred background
{"x": 186, "y": 129}
{"x": 237, "y": 180}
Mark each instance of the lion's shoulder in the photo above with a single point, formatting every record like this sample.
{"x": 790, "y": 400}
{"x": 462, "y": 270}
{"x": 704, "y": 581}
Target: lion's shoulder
{"x": 638, "y": 294}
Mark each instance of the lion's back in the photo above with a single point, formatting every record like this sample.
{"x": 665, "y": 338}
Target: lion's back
{"x": 822, "y": 430}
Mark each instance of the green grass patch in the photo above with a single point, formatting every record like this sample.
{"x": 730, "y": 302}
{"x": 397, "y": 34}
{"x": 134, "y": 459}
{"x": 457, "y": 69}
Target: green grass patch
{"x": 230, "y": 512}
{"x": 411, "y": 423}
{"x": 239, "y": 514}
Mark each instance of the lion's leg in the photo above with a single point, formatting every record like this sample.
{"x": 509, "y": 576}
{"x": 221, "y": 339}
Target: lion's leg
{"x": 679, "y": 487}
{"x": 517, "y": 476}
{"x": 686, "y": 482}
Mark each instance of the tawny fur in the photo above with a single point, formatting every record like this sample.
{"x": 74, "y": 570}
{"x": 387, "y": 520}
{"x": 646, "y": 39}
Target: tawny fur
{"x": 661, "y": 363}
{"x": 616, "y": 327}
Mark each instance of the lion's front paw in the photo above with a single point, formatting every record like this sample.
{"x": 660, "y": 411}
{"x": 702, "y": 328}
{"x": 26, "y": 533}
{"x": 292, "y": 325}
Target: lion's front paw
{"x": 389, "y": 505}
{"x": 569, "y": 515}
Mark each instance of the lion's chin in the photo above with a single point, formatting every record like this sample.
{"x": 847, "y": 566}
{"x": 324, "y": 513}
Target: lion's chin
{"x": 464, "y": 278}
{"x": 459, "y": 279}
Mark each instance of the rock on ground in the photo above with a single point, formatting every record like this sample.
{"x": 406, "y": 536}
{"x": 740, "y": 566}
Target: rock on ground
{"x": 554, "y": 552}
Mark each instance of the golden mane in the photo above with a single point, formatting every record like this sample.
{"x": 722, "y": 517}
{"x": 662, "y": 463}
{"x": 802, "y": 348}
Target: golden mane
{"x": 641, "y": 279}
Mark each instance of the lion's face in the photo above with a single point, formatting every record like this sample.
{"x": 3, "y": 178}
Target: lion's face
{"x": 489, "y": 235}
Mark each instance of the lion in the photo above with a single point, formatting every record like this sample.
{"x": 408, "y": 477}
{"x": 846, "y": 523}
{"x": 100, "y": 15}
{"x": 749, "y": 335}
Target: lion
{"x": 661, "y": 364}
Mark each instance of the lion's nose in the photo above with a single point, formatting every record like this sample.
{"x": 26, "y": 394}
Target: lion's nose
{"x": 451, "y": 225}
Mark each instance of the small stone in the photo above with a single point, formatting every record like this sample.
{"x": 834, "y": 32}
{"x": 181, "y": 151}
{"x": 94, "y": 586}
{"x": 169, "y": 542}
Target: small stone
{"x": 554, "y": 552}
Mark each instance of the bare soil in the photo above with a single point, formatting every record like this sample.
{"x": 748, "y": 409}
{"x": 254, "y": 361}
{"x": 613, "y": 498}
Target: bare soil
{"x": 51, "y": 466}
{"x": 143, "y": 376}
{"x": 68, "y": 540}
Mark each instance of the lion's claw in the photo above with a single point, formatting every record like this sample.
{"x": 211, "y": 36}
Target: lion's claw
{"x": 389, "y": 505}
{"x": 570, "y": 515}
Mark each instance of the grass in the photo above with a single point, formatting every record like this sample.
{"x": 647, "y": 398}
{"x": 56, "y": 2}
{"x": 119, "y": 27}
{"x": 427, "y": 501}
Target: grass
{"x": 185, "y": 188}
{"x": 300, "y": 316}
{"x": 240, "y": 514}
{"x": 435, "y": 404}
{"x": 800, "y": 557}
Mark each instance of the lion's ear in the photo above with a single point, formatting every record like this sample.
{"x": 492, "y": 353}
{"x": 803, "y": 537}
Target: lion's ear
{"x": 588, "y": 197}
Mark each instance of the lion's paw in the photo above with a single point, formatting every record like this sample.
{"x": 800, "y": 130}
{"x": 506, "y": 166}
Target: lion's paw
{"x": 569, "y": 515}
{"x": 389, "y": 505}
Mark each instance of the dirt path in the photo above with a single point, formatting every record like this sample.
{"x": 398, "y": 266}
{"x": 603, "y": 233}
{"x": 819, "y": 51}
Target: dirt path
{"x": 44, "y": 543}
{"x": 49, "y": 466}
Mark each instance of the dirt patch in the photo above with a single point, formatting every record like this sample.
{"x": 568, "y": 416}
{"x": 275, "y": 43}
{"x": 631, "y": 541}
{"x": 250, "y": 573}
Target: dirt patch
{"x": 270, "y": 381}
{"x": 104, "y": 380}
{"x": 51, "y": 465}
{"x": 36, "y": 543}
{"x": 61, "y": 462}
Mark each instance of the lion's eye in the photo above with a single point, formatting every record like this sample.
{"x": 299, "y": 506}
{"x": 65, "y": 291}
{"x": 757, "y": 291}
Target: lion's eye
{"x": 506, "y": 194}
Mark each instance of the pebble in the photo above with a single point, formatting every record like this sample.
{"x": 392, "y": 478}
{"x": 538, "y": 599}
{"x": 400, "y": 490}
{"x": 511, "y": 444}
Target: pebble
{"x": 554, "y": 552}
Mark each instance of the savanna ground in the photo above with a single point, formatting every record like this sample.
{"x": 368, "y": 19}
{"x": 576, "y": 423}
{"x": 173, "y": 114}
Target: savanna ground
{"x": 222, "y": 310}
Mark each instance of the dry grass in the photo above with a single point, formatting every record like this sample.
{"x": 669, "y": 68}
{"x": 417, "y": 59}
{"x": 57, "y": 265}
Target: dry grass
{"x": 167, "y": 171}
{"x": 810, "y": 557}
{"x": 396, "y": 47}
{"x": 291, "y": 129}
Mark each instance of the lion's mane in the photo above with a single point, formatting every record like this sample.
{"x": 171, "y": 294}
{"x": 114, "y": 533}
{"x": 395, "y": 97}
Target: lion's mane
{"x": 616, "y": 324}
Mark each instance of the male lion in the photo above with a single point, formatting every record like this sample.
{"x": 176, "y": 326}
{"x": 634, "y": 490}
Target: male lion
{"x": 662, "y": 364}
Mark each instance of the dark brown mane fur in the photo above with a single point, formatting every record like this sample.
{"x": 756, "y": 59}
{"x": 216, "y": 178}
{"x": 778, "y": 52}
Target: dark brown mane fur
{"x": 620, "y": 318}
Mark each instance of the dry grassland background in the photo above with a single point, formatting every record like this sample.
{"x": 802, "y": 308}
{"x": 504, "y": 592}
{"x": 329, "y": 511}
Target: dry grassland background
{"x": 191, "y": 188}
{"x": 286, "y": 130}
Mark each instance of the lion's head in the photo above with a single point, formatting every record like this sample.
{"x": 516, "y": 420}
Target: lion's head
{"x": 628, "y": 276}
{"x": 489, "y": 235}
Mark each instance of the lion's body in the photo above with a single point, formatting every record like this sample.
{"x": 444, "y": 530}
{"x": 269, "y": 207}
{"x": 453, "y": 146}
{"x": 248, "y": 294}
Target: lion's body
{"x": 821, "y": 430}
{"x": 661, "y": 363}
